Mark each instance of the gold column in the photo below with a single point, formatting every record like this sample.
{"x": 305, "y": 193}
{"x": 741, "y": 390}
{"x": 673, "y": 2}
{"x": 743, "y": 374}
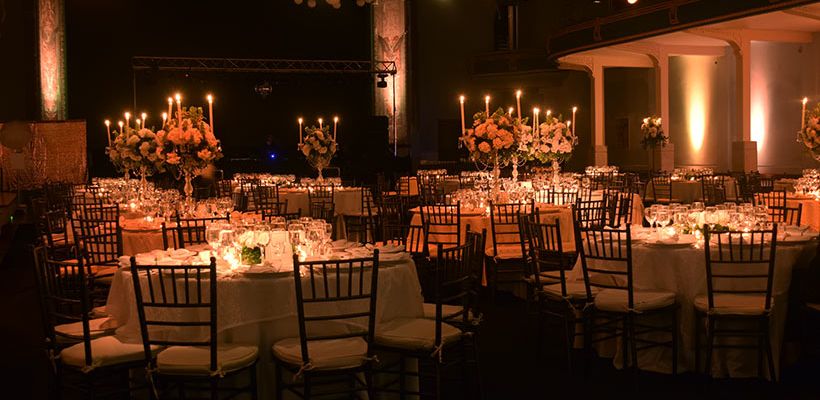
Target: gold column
{"x": 51, "y": 38}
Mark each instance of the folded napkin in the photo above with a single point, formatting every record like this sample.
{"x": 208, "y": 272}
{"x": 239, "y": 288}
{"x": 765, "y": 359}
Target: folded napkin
{"x": 180, "y": 254}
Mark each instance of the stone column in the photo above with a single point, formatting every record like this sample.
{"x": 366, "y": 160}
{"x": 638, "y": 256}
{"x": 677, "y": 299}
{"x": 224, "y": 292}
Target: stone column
{"x": 744, "y": 150}
{"x": 666, "y": 154}
{"x": 51, "y": 57}
{"x": 600, "y": 150}
{"x": 390, "y": 44}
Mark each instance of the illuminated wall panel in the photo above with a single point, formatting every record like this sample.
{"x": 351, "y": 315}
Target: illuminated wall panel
{"x": 51, "y": 36}
{"x": 390, "y": 44}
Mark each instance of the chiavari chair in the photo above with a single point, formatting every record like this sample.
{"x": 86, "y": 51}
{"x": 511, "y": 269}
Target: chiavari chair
{"x": 191, "y": 231}
{"x": 438, "y": 344}
{"x": 618, "y": 310}
{"x": 507, "y": 258}
{"x": 713, "y": 189}
{"x": 322, "y": 203}
{"x": 392, "y": 218}
{"x": 619, "y": 208}
{"x": 98, "y": 234}
{"x": 265, "y": 197}
{"x": 362, "y": 225}
{"x": 247, "y": 188}
{"x": 332, "y": 346}
{"x": 555, "y": 297}
{"x": 442, "y": 225}
{"x": 177, "y": 307}
{"x": 552, "y": 196}
{"x": 662, "y": 188}
{"x": 775, "y": 202}
{"x": 590, "y": 212}
{"x": 77, "y": 344}
{"x": 739, "y": 279}
{"x": 224, "y": 188}
{"x": 431, "y": 188}
{"x": 280, "y": 210}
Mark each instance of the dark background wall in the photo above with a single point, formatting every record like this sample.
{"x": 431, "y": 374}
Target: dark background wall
{"x": 103, "y": 36}
{"x": 18, "y": 68}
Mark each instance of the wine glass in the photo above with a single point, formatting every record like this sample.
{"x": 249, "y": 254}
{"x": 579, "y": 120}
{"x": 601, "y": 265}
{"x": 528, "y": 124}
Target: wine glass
{"x": 650, "y": 214}
{"x": 662, "y": 217}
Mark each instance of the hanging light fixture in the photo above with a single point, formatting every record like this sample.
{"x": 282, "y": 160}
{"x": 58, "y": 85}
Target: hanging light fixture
{"x": 334, "y": 3}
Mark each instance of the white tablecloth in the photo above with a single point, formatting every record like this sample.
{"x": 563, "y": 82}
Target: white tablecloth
{"x": 811, "y": 209}
{"x": 683, "y": 272}
{"x": 261, "y": 310}
{"x": 691, "y": 191}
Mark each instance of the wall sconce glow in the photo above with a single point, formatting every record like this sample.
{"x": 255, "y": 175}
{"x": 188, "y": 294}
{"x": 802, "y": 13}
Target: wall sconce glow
{"x": 697, "y": 74}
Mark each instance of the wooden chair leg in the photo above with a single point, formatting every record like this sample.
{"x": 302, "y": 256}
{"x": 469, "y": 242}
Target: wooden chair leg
{"x": 625, "y": 343}
{"x": 632, "y": 341}
{"x": 675, "y": 342}
{"x": 710, "y": 339}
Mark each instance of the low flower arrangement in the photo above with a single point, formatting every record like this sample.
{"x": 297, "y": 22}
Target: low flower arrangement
{"x": 810, "y": 134}
{"x": 137, "y": 150}
{"x": 252, "y": 243}
{"x": 493, "y": 139}
{"x": 653, "y": 134}
{"x": 188, "y": 143}
{"x": 552, "y": 141}
{"x": 318, "y": 146}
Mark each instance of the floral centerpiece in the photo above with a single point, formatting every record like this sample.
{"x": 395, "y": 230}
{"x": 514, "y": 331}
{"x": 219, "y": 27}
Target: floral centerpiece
{"x": 319, "y": 147}
{"x": 552, "y": 141}
{"x": 137, "y": 150}
{"x": 188, "y": 145}
{"x": 493, "y": 139}
{"x": 809, "y": 135}
{"x": 653, "y": 134}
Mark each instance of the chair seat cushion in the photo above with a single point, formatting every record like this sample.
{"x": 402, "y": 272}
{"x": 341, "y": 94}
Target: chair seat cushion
{"x": 99, "y": 312}
{"x": 324, "y": 354}
{"x": 195, "y": 360}
{"x": 100, "y": 271}
{"x": 734, "y": 304}
{"x": 414, "y": 333}
{"x": 97, "y": 327}
{"x": 575, "y": 291}
{"x": 105, "y": 351}
{"x": 447, "y": 310}
{"x": 618, "y": 301}
{"x": 505, "y": 252}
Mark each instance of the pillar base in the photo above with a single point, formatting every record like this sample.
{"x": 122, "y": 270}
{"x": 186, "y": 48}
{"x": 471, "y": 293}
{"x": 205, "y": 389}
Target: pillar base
{"x": 744, "y": 156}
{"x": 600, "y": 156}
{"x": 662, "y": 158}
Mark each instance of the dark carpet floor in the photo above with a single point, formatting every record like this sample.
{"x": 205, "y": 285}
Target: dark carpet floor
{"x": 510, "y": 367}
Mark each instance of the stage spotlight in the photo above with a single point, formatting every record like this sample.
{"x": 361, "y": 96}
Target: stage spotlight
{"x": 382, "y": 83}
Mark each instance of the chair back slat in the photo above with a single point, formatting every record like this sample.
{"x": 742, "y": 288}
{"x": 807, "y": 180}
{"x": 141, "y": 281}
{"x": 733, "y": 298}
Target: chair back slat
{"x": 97, "y": 231}
{"x": 163, "y": 291}
{"x": 505, "y": 227}
{"x": 442, "y": 225}
{"x": 740, "y": 262}
{"x": 606, "y": 258}
{"x": 349, "y": 285}
{"x": 191, "y": 231}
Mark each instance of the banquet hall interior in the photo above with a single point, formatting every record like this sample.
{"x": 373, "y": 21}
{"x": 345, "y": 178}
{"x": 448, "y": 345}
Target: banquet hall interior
{"x": 484, "y": 199}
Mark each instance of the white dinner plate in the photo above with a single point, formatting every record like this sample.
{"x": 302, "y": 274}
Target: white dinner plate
{"x": 683, "y": 241}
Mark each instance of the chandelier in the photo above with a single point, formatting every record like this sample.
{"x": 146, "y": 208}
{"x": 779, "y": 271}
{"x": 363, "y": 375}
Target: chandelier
{"x": 334, "y": 3}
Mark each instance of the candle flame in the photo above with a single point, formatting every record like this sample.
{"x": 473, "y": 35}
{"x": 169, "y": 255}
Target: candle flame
{"x": 335, "y": 119}
{"x": 164, "y": 116}
{"x": 805, "y": 100}
{"x": 178, "y": 97}
{"x": 320, "y": 120}
{"x": 461, "y": 99}
{"x": 574, "y": 109}
{"x": 510, "y": 110}
{"x": 300, "y": 121}
{"x": 170, "y": 101}
{"x": 127, "y": 115}
{"x": 536, "y": 110}
{"x": 120, "y": 124}
{"x": 143, "y": 116}
{"x": 487, "y": 98}
{"x": 549, "y": 112}
{"x": 210, "y": 98}
{"x": 107, "y": 123}
{"x": 518, "y": 94}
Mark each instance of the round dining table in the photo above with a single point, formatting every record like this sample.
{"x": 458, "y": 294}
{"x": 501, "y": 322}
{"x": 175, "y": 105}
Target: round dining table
{"x": 479, "y": 219}
{"x": 688, "y": 191}
{"x": 811, "y": 209}
{"x": 680, "y": 268}
{"x": 259, "y": 308}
